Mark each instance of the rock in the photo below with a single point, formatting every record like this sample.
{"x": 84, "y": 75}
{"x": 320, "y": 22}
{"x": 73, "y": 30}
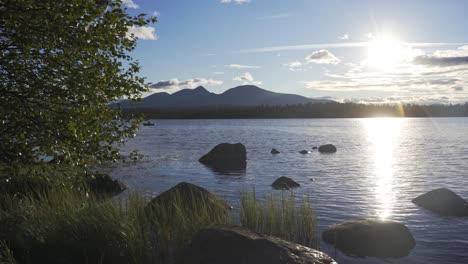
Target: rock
{"x": 105, "y": 185}
{"x": 284, "y": 183}
{"x": 236, "y": 245}
{"x": 371, "y": 238}
{"x": 303, "y": 151}
{"x": 314, "y": 147}
{"x": 188, "y": 196}
{"x": 274, "y": 151}
{"x": 226, "y": 157}
{"x": 444, "y": 202}
{"x": 328, "y": 148}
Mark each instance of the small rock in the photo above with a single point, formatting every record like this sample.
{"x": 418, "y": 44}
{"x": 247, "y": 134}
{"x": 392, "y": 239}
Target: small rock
{"x": 444, "y": 202}
{"x": 235, "y": 245}
{"x": 105, "y": 185}
{"x": 371, "y": 238}
{"x": 303, "y": 151}
{"x": 328, "y": 148}
{"x": 274, "y": 151}
{"x": 284, "y": 183}
{"x": 314, "y": 147}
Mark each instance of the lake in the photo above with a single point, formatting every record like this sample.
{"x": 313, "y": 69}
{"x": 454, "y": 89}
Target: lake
{"x": 380, "y": 166}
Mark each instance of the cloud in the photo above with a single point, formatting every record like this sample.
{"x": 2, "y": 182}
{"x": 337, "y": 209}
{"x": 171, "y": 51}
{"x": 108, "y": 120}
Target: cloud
{"x": 275, "y": 16}
{"x": 218, "y": 73}
{"x": 240, "y": 66}
{"x": 341, "y": 45}
{"x": 175, "y": 84}
{"x": 458, "y": 88}
{"x": 130, "y": 4}
{"x": 295, "y": 66}
{"x": 235, "y": 1}
{"x": 144, "y": 32}
{"x": 322, "y": 57}
{"x": 344, "y": 37}
{"x": 440, "y": 61}
{"x": 246, "y": 78}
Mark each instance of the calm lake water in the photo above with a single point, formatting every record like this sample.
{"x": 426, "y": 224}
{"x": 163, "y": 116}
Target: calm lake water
{"x": 380, "y": 166}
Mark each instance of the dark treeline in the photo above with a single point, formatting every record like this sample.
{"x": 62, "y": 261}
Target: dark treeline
{"x": 327, "y": 110}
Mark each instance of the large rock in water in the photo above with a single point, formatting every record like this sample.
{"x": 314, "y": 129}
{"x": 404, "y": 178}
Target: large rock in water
{"x": 105, "y": 185}
{"x": 371, "y": 237}
{"x": 444, "y": 202}
{"x": 284, "y": 183}
{"x": 328, "y": 148}
{"x": 189, "y": 197}
{"x": 237, "y": 245}
{"x": 274, "y": 151}
{"x": 226, "y": 157}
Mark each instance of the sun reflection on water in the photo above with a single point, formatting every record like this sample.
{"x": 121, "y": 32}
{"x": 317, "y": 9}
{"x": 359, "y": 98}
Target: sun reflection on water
{"x": 383, "y": 134}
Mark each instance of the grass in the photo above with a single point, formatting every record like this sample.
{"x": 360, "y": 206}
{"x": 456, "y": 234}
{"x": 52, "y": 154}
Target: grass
{"x": 281, "y": 217}
{"x": 65, "y": 226}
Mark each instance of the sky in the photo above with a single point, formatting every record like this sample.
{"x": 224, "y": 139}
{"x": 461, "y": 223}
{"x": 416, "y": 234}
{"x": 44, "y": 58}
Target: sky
{"x": 360, "y": 51}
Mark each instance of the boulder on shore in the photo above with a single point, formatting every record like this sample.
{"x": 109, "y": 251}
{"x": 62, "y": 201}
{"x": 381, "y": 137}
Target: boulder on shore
{"x": 226, "y": 157}
{"x": 105, "y": 185}
{"x": 284, "y": 183}
{"x": 274, "y": 151}
{"x": 328, "y": 148}
{"x": 304, "y": 151}
{"x": 371, "y": 238}
{"x": 234, "y": 245}
{"x": 444, "y": 202}
{"x": 189, "y": 197}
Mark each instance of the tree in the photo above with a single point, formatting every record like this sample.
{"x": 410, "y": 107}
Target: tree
{"x": 61, "y": 63}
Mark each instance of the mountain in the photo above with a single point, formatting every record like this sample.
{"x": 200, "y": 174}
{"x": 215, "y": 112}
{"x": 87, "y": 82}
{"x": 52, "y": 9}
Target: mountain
{"x": 245, "y": 95}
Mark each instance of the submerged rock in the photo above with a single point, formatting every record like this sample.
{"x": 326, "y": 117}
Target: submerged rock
{"x": 328, "y": 148}
{"x": 444, "y": 202}
{"x": 274, "y": 151}
{"x": 235, "y": 245}
{"x": 303, "y": 151}
{"x": 226, "y": 157}
{"x": 371, "y": 238}
{"x": 284, "y": 183}
{"x": 188, "y": 196}
{"x": 103, "y": 184}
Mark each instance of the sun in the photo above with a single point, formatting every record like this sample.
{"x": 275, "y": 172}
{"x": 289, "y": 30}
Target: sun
{"x": 385, "y": 52}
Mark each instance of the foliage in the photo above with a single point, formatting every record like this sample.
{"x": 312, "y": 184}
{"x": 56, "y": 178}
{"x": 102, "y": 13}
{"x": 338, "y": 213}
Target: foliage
{"x": 61, "y": 63}
{"x": 280, "y": 217}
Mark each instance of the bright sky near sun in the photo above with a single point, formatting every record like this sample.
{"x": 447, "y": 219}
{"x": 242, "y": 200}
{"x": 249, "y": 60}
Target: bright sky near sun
{"x": 362, "y": 51}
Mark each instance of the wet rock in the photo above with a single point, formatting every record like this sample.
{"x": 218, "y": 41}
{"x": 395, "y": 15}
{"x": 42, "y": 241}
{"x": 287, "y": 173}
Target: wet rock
{"x": 444, "y": 202}
{"x": 226, "y": 157}
{"x": 105, "y": 185}
{"x": 304, "y": 151}
{"x": 284, "y": 183}
{"x": 274, "y": 151}
{"x": 314, "y": 147}
{"x": 235, "y": 245}
{"x": 328, "y": 148}
{"x": 371, "y": 238}
{"x": 189, "y": 197}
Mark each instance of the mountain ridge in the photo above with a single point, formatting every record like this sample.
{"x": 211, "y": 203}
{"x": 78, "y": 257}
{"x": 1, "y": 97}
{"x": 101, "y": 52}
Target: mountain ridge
{"x": 244, "y": 95}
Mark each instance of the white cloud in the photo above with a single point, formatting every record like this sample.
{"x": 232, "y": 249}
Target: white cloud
{"x": 341, "y": 45}
{"x": 322, "y": 57}
{"x": 174, "y": 85}
{"x": 246, "y": 78}
{"x": 235, "y": 1}
{"x": 144, "y": 32}
{"x": 295, "y": 66}
{"x": 156, "y": 14}
{"x": 275, "y": 16}
{"x": 218, "y": 73}
{"x": 240, "y": 66}
{"x": 130, "y": 4}
{"x": 344, "y": 37}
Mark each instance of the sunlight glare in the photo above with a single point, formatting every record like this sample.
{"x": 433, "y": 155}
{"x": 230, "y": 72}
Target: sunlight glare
{"x": 385, "y": 52}
{"x": 383, "y": 134}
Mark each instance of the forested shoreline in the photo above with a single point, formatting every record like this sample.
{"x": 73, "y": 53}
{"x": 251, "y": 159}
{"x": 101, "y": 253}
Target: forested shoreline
{"x": 325, "y": 110}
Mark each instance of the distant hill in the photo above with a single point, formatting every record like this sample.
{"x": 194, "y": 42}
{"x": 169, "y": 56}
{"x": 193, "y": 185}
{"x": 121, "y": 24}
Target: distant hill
{"x": 246, "y": 95}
